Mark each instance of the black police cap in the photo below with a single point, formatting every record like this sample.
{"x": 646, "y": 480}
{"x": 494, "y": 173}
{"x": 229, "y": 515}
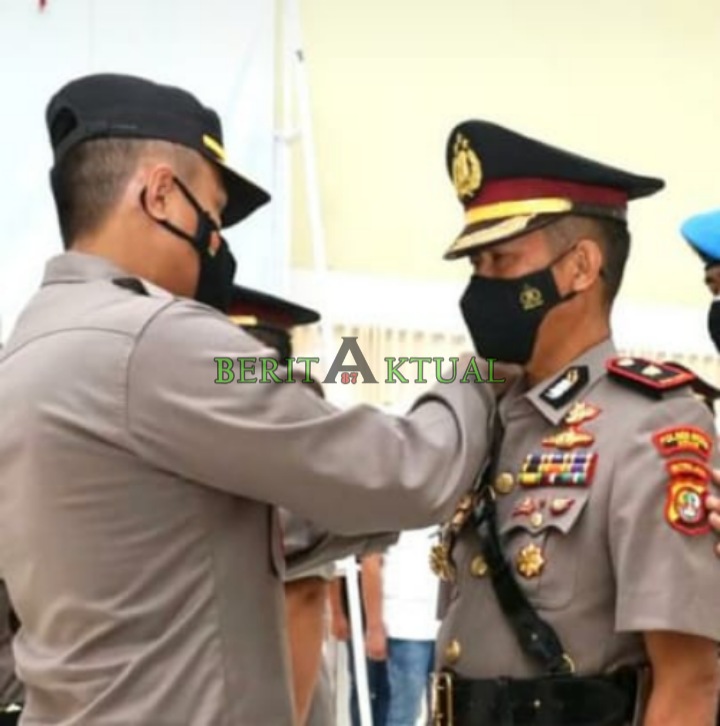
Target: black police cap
{"x": 269, "y": 318}
{"x": 120, "y": 106}
{"x": 509, "y": 184}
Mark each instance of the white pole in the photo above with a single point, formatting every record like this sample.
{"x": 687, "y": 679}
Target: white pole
{"x": 284, "y": 139}
{"x": 302, "y": 88}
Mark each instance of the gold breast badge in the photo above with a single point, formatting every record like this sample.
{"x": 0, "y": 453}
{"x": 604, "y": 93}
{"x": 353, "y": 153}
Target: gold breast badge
{"x": 441, "y": 562}
{"x": 530, "y": 561}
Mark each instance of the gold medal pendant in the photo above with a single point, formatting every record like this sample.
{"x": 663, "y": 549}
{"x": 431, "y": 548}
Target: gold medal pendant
{"x": 440, "y": 562}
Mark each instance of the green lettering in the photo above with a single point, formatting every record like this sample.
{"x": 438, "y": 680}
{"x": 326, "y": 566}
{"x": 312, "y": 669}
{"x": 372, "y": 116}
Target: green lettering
{"x": 420, "y": 363}
{"x": 269, "y": 366}
{"x": 438, "y": 370}
{"x": 491, "y": 372}
{"x": 246, "y": 363}
{"x": 307, "y": 361}
{"x": 473, "y": 365}
{"x": 224, "y": 370}
{"x": 393, "y": 370}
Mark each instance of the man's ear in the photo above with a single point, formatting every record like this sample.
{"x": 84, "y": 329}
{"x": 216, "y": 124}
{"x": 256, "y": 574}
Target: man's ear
{"x": 158, "y": 191}
{"x": 587, "y": 264}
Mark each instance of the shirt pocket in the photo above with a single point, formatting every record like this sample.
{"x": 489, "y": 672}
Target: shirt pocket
{"x": 545, "y": 542}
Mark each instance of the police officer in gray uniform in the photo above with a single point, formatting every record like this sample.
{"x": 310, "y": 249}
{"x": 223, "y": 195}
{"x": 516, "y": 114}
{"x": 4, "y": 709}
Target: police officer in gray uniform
{"x": 273, "y": 319}
{"x": 578, "y": 574}
{"x": 138, "y": 492}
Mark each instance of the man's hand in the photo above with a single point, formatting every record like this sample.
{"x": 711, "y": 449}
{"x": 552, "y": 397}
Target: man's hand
{"x": 376, "y": 643}
{"x": 340, "y": 627}
{"x": 713, "y": 505}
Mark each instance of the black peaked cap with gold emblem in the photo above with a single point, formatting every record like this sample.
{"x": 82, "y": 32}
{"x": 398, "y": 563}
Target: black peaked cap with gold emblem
{"x": 269, "y": 318}
{"x": 110, "y": 105}
{"x": 510, "y": 184}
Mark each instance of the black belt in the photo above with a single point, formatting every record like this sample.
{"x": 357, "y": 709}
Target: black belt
{"x": 10, "y": 717}
{"x": 606, "y": 700}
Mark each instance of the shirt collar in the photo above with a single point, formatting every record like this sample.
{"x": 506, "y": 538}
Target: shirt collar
{"x": 79, "y": 267}
{"x": 554, "y": 396}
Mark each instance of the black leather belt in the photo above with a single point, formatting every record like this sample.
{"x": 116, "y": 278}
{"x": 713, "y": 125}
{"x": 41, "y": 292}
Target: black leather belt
{"x": 10, "y": 717}
{"x": 607, "y": 700}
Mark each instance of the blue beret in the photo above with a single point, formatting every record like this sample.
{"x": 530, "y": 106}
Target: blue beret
{"x": 702, "y": 233}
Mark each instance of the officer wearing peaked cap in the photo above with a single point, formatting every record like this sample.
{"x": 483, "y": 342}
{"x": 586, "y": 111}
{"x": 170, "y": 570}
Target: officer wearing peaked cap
{"x": 137, "y": 489}
{"x": 575, "y": 588}
{"x": 702, "y": 233}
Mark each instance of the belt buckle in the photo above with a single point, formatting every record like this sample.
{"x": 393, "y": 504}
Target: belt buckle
{"x": 441, "y": 705}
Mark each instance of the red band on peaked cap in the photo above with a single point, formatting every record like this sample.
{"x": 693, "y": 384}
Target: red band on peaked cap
{"x": 516, "y": 190}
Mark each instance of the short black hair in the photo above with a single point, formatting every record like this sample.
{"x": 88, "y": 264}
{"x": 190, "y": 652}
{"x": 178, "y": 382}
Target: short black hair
{"x": 91, "y": 178}
{"x": 613, "y": 237}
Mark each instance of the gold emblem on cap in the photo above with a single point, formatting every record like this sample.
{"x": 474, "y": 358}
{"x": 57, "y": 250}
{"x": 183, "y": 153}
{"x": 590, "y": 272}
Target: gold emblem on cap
{"x": 214, "y": 146}
{"x": 478, "y": 566}
{"x": 504, "y": 483}
{"x": 453, "y": 652}
{"x": 531, "y": 298}
{"x": 530, "y": 561}
{"x": 466, "y": 168}
{"x": 536, "y": 519}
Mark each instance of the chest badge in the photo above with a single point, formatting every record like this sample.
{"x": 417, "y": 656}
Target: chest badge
{"x": 580, "y": 413}
{"x": 560, "y": 505}
{"x": 575, "y": 469}
{"x": 569, "y": 439}
{"x": 530, "y": 561}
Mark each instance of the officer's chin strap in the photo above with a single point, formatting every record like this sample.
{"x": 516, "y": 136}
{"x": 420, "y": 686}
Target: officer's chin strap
{"x": 535, "y": 636}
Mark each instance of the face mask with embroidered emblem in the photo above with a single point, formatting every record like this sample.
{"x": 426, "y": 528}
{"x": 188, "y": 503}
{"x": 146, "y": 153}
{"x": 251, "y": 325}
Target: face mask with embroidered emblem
{"x": 503, "y": 316}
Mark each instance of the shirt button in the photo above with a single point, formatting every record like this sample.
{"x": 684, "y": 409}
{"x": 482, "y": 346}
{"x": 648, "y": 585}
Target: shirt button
{"x": 452, "y": 652}
{"x": 478, "y": 566}
{"x": 504, "y": 483}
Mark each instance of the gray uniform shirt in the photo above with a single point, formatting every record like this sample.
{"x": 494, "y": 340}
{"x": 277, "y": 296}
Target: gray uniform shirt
{"x": 603, "y": 560}
{"x": 139, "y": 541}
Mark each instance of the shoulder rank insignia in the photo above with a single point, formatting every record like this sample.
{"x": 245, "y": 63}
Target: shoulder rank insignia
{"x": 564, "y": 388}
{"x": 647, "y": 376}
{"x": 131, "y": 283}
{"x": 683, "y": 440}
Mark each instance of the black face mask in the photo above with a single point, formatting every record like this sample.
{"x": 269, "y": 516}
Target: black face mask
{"x": 714, "y": 323}
{"x": 504, "y": 316}
{"x": 217, "y": 270}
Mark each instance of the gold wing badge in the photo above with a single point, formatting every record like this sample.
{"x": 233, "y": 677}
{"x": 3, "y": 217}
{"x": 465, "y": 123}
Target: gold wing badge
{"x": 466, "y": 168}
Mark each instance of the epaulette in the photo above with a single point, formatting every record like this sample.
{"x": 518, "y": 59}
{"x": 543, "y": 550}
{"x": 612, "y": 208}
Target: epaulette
{"x": 703, "y": 390}
{"x": 131, "y": 283}
{"x": 140, "y": 286}
{"x": 648, "y": 377}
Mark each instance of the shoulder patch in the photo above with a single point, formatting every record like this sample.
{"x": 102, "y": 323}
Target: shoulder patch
{"x": 131, "y": 283}
{"x": 648, "y": 376}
